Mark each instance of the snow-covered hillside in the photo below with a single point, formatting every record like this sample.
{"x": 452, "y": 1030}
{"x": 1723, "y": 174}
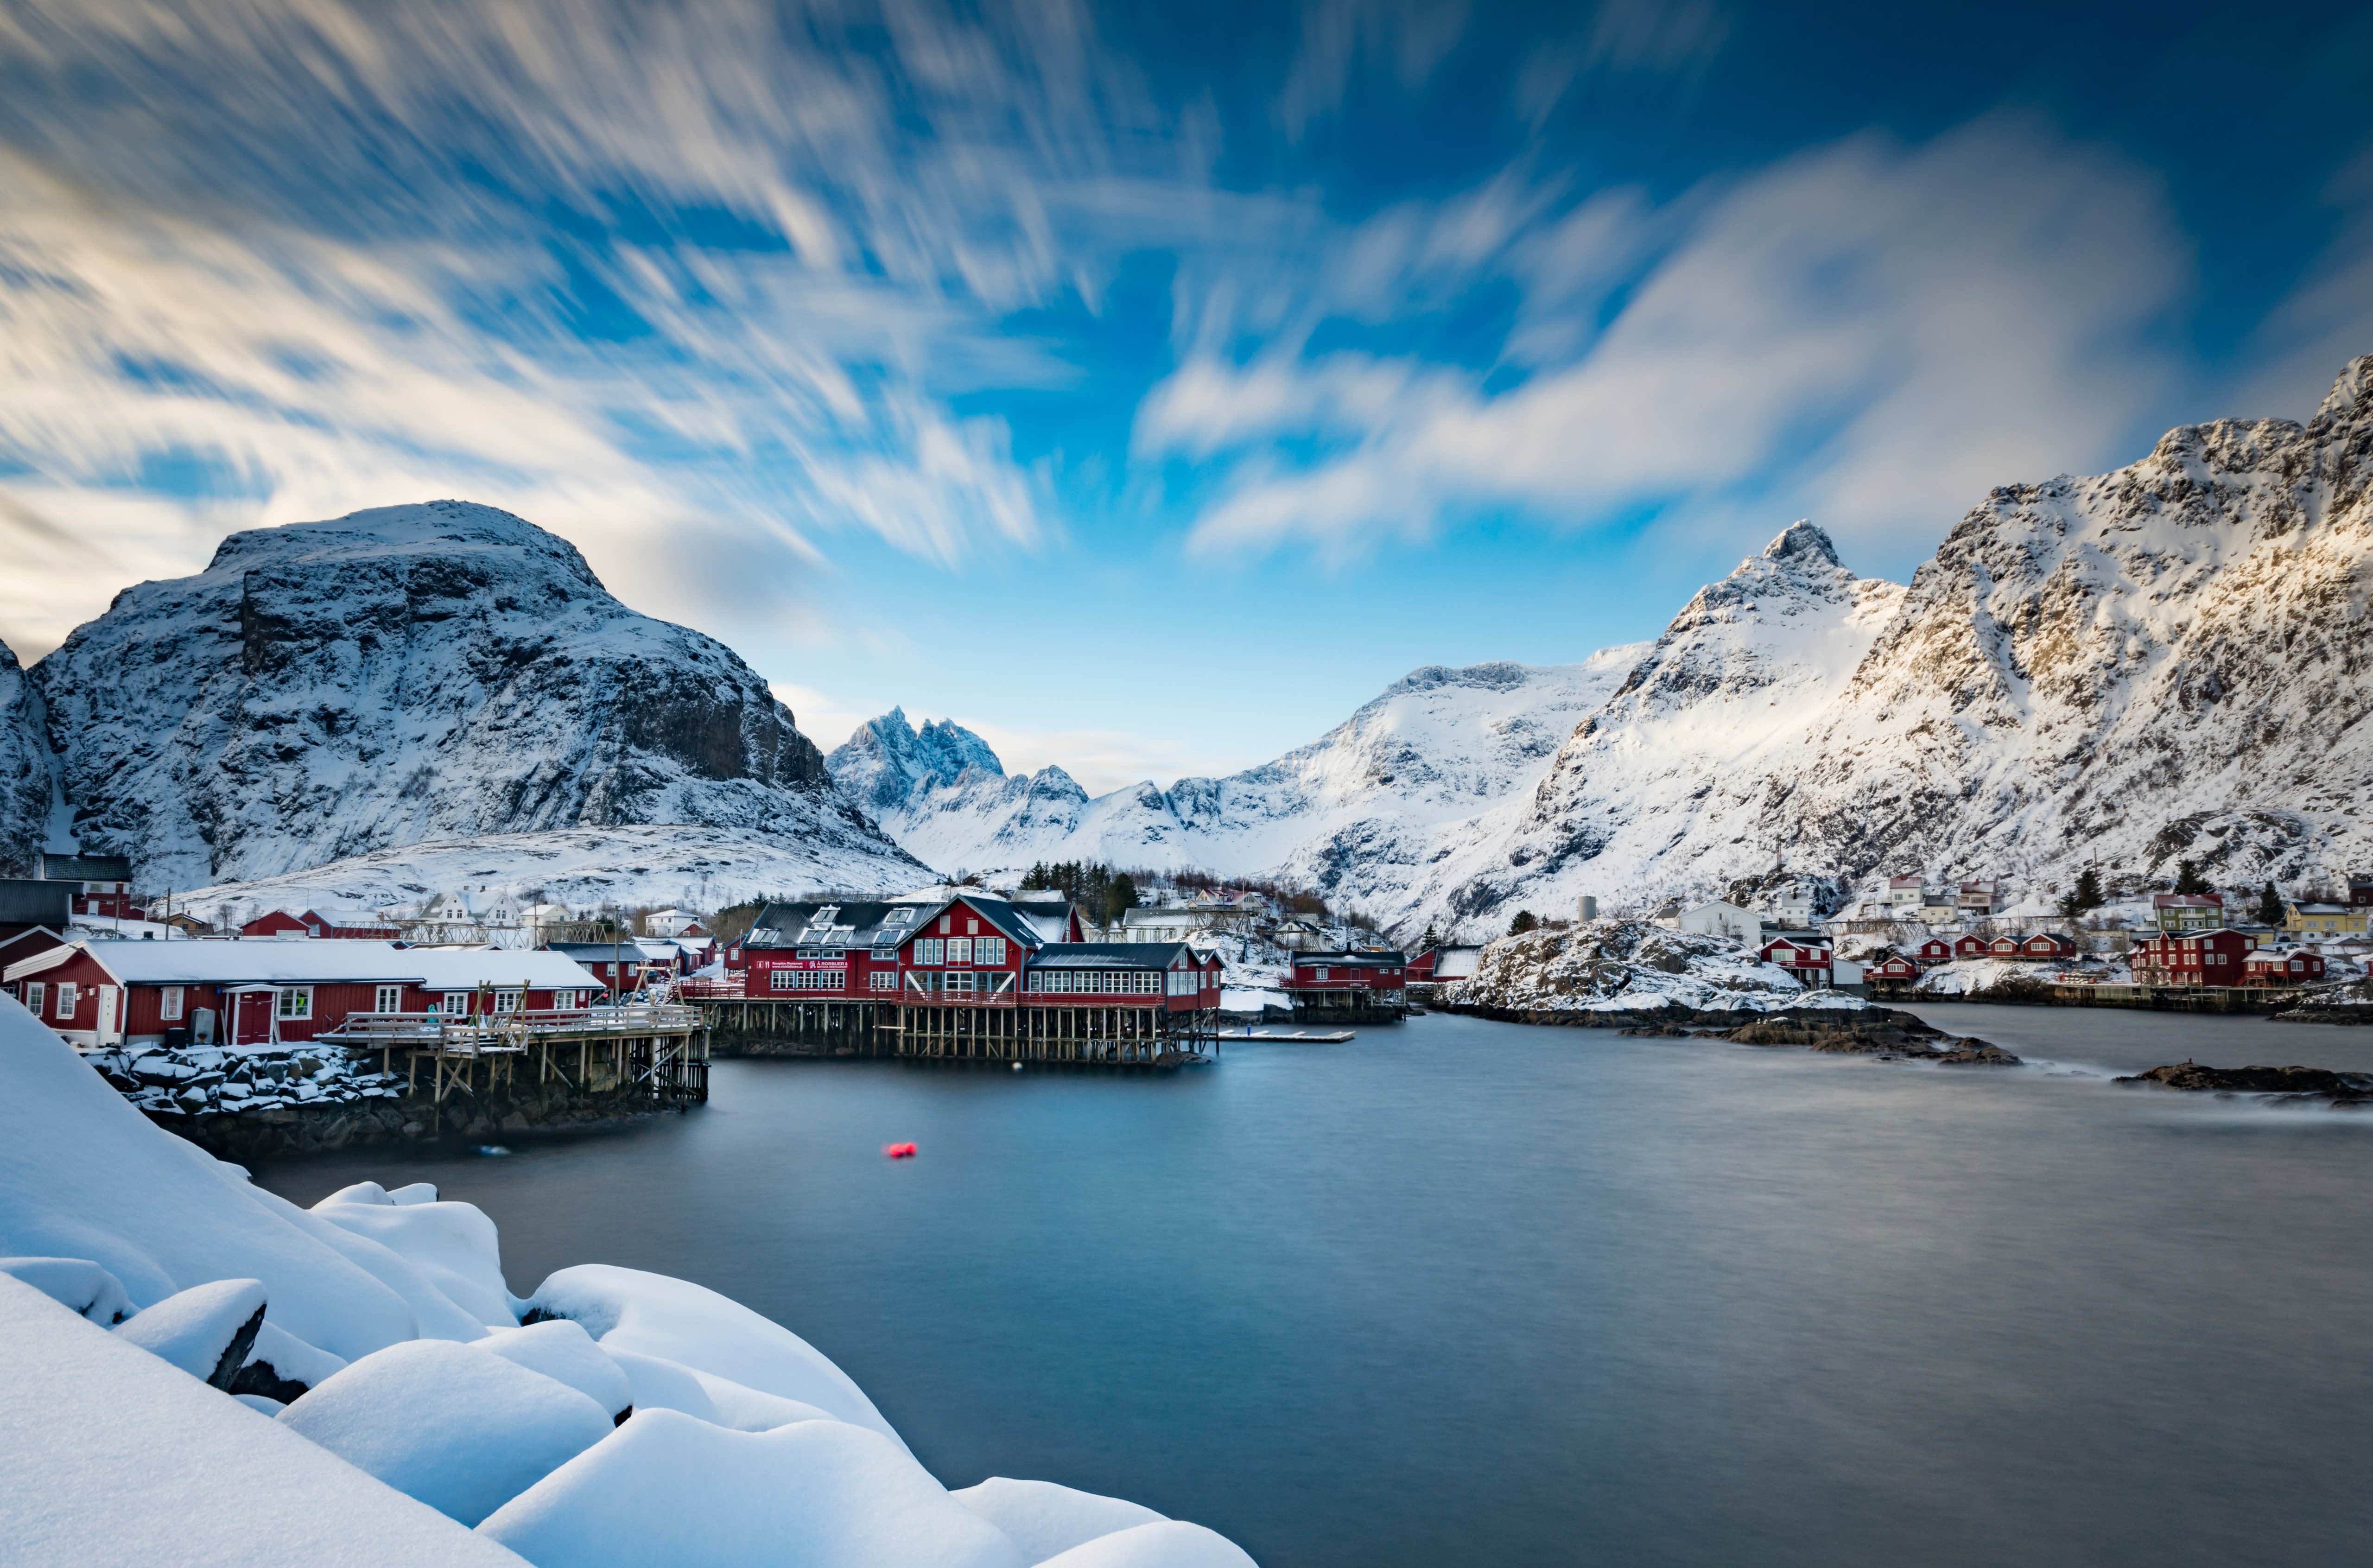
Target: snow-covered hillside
{"x": 1357, "y": 811}
{"x": 2168, "y": 660}
{"x": 332, "y": 689}
{"x": 24, "y": 768}
{"x": 583, "y": 867}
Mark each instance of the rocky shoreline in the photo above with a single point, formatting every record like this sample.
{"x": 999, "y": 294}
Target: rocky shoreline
{"x": 2287, "y": 1083}
{"x": 1877, "y": 1031}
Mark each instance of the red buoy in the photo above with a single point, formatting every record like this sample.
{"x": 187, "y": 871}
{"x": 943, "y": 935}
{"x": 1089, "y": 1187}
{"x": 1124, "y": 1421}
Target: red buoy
{"x": 899, "y": 1150}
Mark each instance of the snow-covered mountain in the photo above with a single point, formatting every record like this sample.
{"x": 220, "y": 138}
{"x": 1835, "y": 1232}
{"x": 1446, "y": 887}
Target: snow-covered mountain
{"x": 436, "y": 672}
{"x": 24, "y": 768}
{"x": 2169, "y": 660}
{"x": 887, "y": 760}
{"x": 1356, "y": 811}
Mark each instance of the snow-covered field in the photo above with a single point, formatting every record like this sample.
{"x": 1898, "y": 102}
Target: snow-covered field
{"x": 195, "y": 1371}
{"x": 698, "y": 867}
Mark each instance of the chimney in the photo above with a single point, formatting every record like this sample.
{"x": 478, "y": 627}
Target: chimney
{"x": 1587, "y": 908}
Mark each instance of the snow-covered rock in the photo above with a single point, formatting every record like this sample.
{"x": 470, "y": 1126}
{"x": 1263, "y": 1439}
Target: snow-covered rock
{"x": 111, "y": 1455}
{"x": 665, "y": 1488}
{"x": 407, "y": 674}
{"x": 205, "y": 1330}
{"x": 282, "y": 1367}
{"x": 1631, "y": 967}
{"x": 1043, "y": 1519}
{"x": 1171, "y": 1544}
{"x": 75, "y": 1283}
{"x": 460, "y": 1430}
{"x": 565, "y": 1353}
{"x": 453, "y": 1244}
{"x": 676, "y": 1320}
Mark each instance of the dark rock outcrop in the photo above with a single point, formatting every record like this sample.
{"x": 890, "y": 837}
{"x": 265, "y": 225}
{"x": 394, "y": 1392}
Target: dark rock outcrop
{"x": 2291, "y": 1082}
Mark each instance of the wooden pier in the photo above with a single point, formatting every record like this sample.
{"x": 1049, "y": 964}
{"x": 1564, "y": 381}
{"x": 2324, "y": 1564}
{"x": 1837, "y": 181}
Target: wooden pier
{"x": 2186, "y": 998}
{"x": 1001, "y": 1031}
{"x": 654, "y": 1052}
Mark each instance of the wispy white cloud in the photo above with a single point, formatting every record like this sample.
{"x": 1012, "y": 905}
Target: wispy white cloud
{"x": 1871, "y": 332}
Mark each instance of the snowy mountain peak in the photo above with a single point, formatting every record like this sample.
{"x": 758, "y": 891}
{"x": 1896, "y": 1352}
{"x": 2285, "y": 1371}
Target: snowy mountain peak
{"x": 886, "y": 762}
{"x": 442, "y": 670}
{"x": 1799, "y": 539}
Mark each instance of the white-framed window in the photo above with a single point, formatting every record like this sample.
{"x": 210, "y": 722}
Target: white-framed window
{"x": 931, "y": 950}
{"x": 779, "y": 979}
{"x": 957, "y": 980}
{"x": 69, "y": 995}
{"x": 296, "y": 1001}
{"x": 35, "y": 991}
{"x": 884, "y": 980}
{"x": 506, "y": 1002}
{"x": 169, "y": 1004}
{"x": 457, "y": 1001}
{"x": 972, "y": 927}
{"x": 388, "y": 999}
{"x": 988, "y": 952}
{"x": 946, "y": 921}
{"x": 960, "y": 949}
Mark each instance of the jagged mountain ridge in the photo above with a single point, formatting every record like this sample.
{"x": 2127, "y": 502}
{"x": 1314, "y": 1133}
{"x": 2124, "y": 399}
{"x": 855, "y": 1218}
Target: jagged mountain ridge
{"x": 330, "y": 689}
{"x": 886, "y": 760}
{"x": 2169, "y": 659}
{"x": 1378, "y": 790}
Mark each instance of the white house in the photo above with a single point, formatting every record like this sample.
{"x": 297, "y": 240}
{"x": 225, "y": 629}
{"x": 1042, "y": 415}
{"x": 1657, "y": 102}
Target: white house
{"x": 1183, "y": 923}
{"x": 670, "y": 923}
{"x": 1790, "y": 907}
{"x": 1718, "y": 918}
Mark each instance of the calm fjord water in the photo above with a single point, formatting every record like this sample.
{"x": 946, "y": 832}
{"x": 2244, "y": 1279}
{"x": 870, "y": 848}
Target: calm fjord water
{"x": 1466, "y": 1292}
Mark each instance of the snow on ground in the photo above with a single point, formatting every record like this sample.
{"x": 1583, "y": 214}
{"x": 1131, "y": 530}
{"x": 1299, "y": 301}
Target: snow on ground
{"x": 700, "y": 868}
{"x": 1631, "y": 967}
{"x": 114, "y": 1456}
{"x": 1968, "y": 977}
{"x": 746, "y": 1444}
{"x": 206, "y": 1079}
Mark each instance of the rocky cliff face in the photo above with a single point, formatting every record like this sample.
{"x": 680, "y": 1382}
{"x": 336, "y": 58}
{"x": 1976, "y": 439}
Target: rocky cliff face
{"x": 25, "y": 779}
{"x": 434, "y": 671}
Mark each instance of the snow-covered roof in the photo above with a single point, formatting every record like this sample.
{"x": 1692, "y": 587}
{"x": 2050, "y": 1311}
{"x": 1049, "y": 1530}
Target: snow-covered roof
{"x": 312, "y": 964}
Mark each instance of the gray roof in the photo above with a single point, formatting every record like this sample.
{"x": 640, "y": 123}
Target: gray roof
{"x": 1112, "y": 954}
{"x": 1376, "y": 958}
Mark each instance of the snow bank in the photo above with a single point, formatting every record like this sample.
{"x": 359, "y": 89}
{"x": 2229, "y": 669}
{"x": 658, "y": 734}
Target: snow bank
{"x": 676, "y": 1321}
{"x": 1170, "y": 1544}
{"x": 205, "y": 1330}
{"x": 454, "y": 1245}
{"x": 565, "y": 1353}
{"x": 665, "y": 1488}
{"x": 461, "y": 1431}
{"x": 111, "y": 1457}
{"x": 289, "y": 1359}
{"x": 75, "y": 1283}
{"x": 83, "y": 1175}
{"x": 1043, "y": 1519}
{"x": 1972, "y": 977}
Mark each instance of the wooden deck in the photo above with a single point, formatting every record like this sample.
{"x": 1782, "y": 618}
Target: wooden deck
{"x": 660, "y": 1051}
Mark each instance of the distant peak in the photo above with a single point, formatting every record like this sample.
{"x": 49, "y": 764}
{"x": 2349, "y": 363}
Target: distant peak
{"x": 1800, "y": 539}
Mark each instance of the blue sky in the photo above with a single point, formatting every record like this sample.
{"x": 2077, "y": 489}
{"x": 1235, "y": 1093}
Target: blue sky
{"x": 1241, "y": 357}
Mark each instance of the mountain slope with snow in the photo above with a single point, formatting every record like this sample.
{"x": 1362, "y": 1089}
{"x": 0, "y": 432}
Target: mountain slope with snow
{"x": 24, "y": 768}
{"x": 882, "y": 765}
{"x": 1356, "y": 810}
{"x": 443, "y": 670}
{"x": 2171, "y": 659}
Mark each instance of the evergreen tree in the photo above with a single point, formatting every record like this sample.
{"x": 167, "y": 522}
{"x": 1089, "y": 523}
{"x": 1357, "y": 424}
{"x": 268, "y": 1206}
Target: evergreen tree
{"x": 1522, "y": 923}
{"x": 1120, "y": 896}
{"x": 2088, "y": 890}
{"x": 1036, "y": 879}
{"x": 2188, "y": 878}
{"x": 1430, "y": 939}
{"x": 2270, "y": 906}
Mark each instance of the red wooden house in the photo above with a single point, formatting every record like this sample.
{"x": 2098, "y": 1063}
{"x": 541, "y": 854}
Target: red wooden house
{"x": 1972, "y": 946}
{"x": 2281, "y": 967}
{"x": 1893, "y": 970}
{"x": 2046, "y": 947}
{"x": 1810, "y": 961}
{"x": 257, "y": 993}
{"x": 1935, "y": 950}
{"x": 2189, "y": 958}
{"x": 275, "y": 922}
{"x": 350, "y": 925}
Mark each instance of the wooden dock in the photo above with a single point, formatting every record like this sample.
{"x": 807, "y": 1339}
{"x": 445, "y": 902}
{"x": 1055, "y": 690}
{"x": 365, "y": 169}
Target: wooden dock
{"x": 1299, "y": 1037}
{"x": 654, "y": 1051}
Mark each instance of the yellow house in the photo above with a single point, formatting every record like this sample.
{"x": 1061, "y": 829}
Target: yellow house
{"x": 2334, "y": 919}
